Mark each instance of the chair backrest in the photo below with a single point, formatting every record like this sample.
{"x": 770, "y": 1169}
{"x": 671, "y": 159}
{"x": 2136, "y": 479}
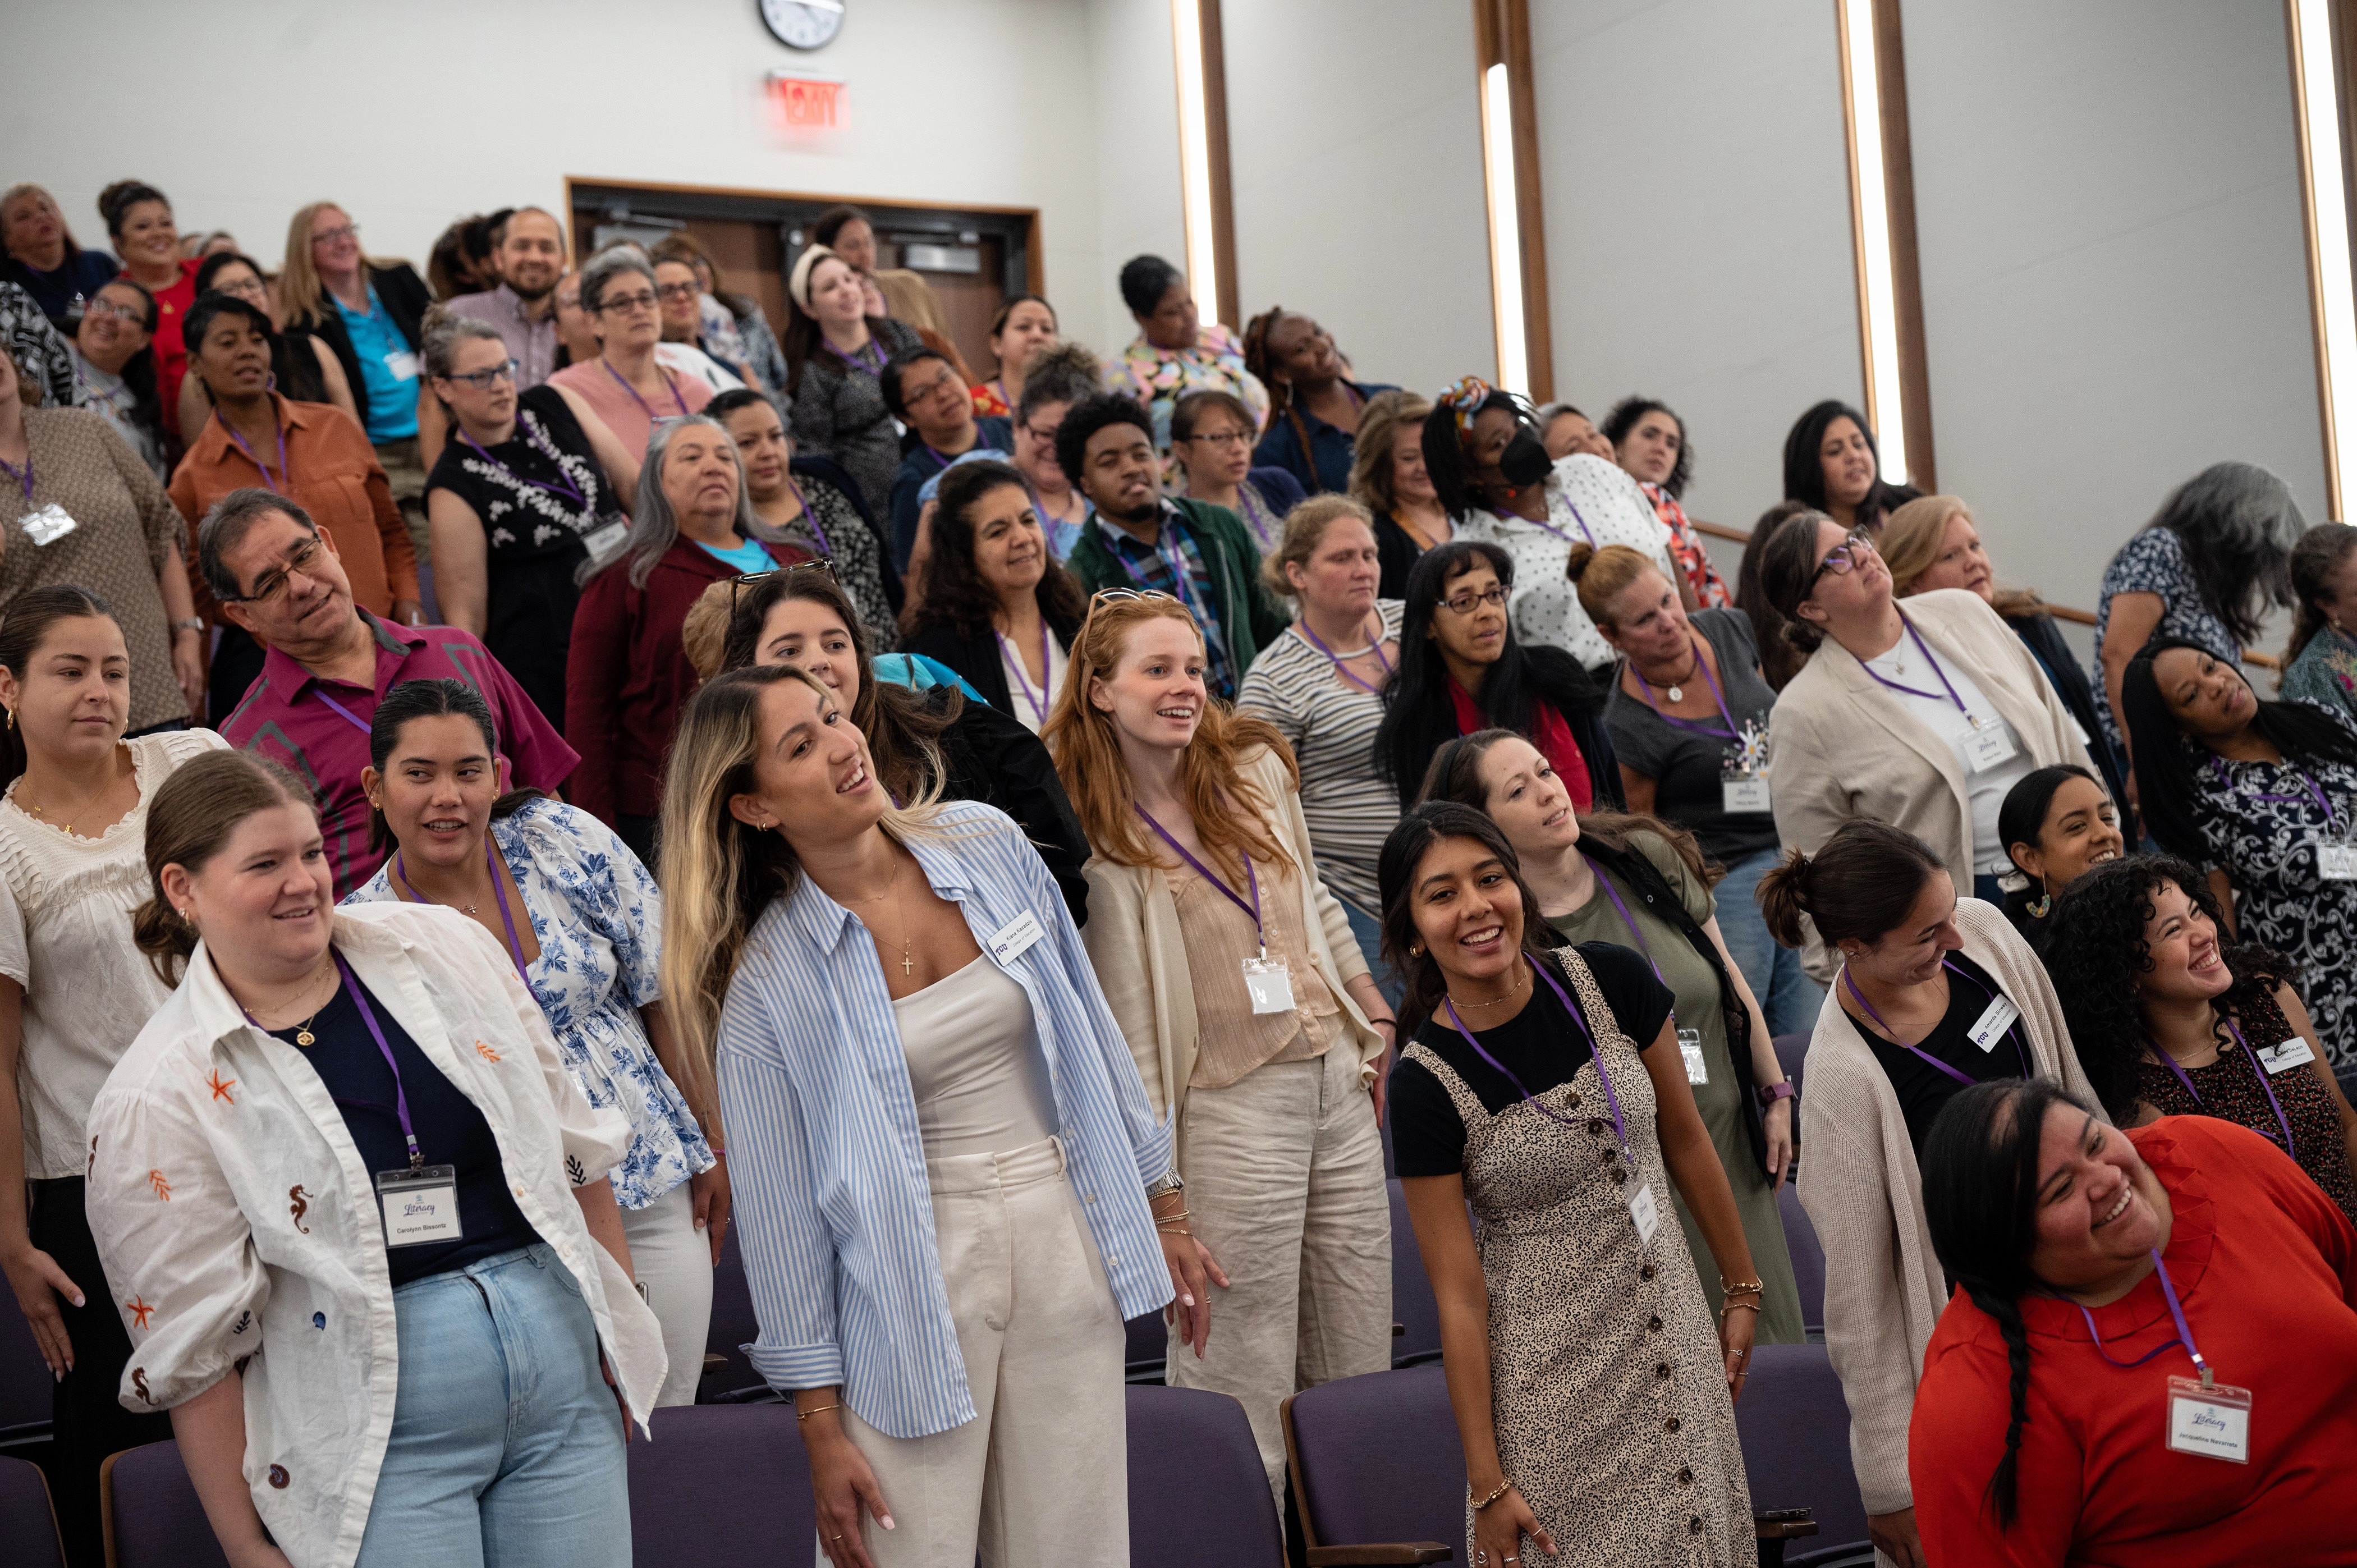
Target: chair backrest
{"x": 1413, "y": 1306}
{"x": 27, "y": 1521}
{"x": 25, "y": 1386}
{"x": 1147, "y": 1349}
{"x": 1376, "y": 1458}
{"x": 1808, "y": 1256}
{"x": 1794, "y": 1426}
{"x": 153, "y": 1516}
{"x": 733, "y": 1324}
{"x": 1198, "y": 1492}
{"x": 721, "y": 1483}
{"x": 1791, "y": 1054}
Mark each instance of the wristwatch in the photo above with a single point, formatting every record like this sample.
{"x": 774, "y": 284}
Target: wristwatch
{"x": 1169, "y": 1184}
{"x": 1773, "y": 1092}
{"x": 194, "y": 623}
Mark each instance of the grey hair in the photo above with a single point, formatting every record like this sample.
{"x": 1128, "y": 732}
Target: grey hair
{"x": 2237, "y": 523}
{"x": 605, "y": 266}
{"x": 1547, "y": 411}
{"x": 444, "y": 332}
{"x": 225, "y": 528}
{"x": 654, "y": 526}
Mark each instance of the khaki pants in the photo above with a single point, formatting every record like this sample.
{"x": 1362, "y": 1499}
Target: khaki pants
{"x": 404, "y": 472}
{"x": 1041, "y": 1475}
{"x": 1284, "y": 1179}
{"x": 672, "y": 1260}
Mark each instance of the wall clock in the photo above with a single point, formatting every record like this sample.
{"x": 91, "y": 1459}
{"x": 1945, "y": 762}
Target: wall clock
{"x": 803, "y": 23}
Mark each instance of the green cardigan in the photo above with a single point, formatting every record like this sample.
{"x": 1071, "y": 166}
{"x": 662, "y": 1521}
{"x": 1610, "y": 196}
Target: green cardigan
{"x": 1235, "y": 577}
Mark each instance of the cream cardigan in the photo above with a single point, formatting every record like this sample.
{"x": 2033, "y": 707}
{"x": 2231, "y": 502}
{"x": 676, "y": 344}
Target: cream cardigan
{"x": 1884, "y": 1287}
{"x": 1844, "y": 748}
{"x": 1141, "y": 960}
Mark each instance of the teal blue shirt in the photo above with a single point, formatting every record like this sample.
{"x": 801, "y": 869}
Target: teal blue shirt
{"x": 388, "y": 369}
{"x": 750, "y": 556}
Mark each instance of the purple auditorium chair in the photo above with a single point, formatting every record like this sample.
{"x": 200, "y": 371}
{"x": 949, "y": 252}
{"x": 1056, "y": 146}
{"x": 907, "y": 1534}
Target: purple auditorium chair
{"x": 731, "y": 1380}
{"x": 28, "y": 1524}
{"x": 1213, "y": 1505}
{"x": 1794, "y": 1425}
{"x": 153, "y": 1516}
{"x": 722, "y": 1484}
{"x": 1792, "y": 1055}
{"x": 1148, "y": 1348}
{"x": 1808, "y": 1258}
{"x": 1378, "y": 1472}
{"x": 25, "y": 1386}
{"x": 1416, "y": 1331}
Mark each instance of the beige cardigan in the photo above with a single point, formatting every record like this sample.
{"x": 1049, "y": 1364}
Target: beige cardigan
{"x": 1141, "y": 960}
{"x": 1884, "y": 1287}
{"x": 1833, "y": 756}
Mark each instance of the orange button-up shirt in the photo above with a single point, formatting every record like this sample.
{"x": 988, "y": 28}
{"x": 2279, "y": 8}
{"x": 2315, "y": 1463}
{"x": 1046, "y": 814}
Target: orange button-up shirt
{"x": 331, "y": 473}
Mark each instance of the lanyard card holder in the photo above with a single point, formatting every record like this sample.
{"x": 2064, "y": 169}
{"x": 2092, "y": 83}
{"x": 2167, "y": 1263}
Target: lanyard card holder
{"x": 2212, "y": 1422}
{"x": 1742, "y": 771}
{"x": 2284, "y": 1056}
{"x": 2336, "y": 854}
{"x": 1987, "y": 746}
{"x": 49, "y": 525}
{"x": 1270, "y": 983}
{"x": 421, "y": 1204}
{"x": 1690, "y": 1047}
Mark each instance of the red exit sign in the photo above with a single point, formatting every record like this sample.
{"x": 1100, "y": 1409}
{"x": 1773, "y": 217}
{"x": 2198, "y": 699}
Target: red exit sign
{"x": 805, "y": 102}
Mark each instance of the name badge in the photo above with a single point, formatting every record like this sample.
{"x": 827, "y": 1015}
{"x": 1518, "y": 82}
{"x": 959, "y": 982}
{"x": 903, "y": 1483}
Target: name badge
{"x": 2337, "y": 862}
{"x": 1015, "y": 937}
{"x": 1987, "y": 747}
{"x": 1645, "y": 1211}
{"x": 2213, "y": 1423}
{"x": 420, "y": 1206}
{"x": 1690, "y": 1047}
{"x": 1742, "y": 793}
{"x": 403, "y": 366}
{"x": 1994, "y": 1024}
{"x": 2284, "y": 1056}
{"x": 1269, "y": 983}
{"x": 602, "y": 543}
{"x": 49, "y": 524}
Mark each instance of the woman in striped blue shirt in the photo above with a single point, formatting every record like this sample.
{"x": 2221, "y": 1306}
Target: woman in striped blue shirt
{"x": 944, "y": 1152}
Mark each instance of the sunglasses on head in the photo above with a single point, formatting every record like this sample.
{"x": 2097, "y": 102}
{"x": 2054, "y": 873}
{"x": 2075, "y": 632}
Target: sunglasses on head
{"x": 825, "y": 563}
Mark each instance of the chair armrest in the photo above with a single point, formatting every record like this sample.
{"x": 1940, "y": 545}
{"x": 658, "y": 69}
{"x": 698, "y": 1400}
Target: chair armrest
{"x": 1783, "y": 1524}
{"x": 1375, "y": 1555}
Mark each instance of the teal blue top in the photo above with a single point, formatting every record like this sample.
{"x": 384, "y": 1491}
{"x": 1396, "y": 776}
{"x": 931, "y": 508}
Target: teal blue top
{"x": 749, "y": 556}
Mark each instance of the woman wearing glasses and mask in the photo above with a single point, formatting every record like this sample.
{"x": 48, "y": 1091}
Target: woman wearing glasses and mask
{"x": 1923, "y": 720}
{"x": 529, "y": 487}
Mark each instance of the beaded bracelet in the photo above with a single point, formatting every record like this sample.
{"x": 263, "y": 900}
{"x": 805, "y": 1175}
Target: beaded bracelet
{"x": 1503, "y": 1488}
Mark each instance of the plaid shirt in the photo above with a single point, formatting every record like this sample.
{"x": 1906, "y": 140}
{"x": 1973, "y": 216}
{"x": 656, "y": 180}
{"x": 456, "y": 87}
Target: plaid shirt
{"x": 1156, "y": 568}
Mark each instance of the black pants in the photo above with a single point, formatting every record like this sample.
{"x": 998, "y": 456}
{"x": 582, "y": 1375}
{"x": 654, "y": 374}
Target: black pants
{"x": 90, "y": 1424}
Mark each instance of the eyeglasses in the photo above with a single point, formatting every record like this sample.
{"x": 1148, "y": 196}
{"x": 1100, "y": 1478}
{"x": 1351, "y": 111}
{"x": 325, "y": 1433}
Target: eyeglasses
{"x": 272, "y": 584}
{"x": 677, "y": 291}
{"x": 136, "y": 314}
{"x": 250, "y": 289}
{"x": 1224, "y": 438}
{"x": 946, "y": 383}
{"x": 615, "y": 304}
{"x": 825, "y": 563}
{"x": 336, "y": 235}
{"x": 484, "y": 380}
{"x": 1465, "y": 603}
{"x": 1845, "y": 557}
{"x": 1124, "y": 596}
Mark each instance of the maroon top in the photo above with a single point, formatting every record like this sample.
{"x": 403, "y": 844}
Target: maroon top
{"x": 628, "y": 675}
{"x": 284, "y": 719}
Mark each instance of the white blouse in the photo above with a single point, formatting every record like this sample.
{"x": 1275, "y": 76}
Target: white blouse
{"x": 1589, "y": 501}
{"x": 239, "y": 1227}
{"x": 64, "y": 936}
{"x": 1027, "y": 702}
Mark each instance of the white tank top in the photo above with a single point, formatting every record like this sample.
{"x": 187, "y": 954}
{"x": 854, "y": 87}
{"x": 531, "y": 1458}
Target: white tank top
{"x": 974, "y": 1062}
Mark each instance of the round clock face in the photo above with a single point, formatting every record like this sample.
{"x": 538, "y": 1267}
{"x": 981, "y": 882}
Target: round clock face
{"x": 803, "y": 23}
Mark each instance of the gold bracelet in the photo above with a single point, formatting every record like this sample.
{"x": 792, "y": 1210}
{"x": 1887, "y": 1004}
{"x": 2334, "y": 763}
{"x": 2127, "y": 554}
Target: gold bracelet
{"x": 1503, "y": 1488}
{"x": 820, "y": 1410}
{"x": 1740, "y": 1287}
{"x": 1737, "y": 1306}
{"x": 1189, "y": 1234}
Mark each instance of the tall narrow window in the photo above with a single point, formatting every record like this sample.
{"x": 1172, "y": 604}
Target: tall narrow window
{"x": 1869, "y": 200}
{"x": 2324, "y": 192}
{"x": 1505, "y": 229}
{"x": 1196, "y": 155}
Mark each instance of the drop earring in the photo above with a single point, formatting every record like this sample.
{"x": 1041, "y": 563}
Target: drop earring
{"x": 2045, "y": 901}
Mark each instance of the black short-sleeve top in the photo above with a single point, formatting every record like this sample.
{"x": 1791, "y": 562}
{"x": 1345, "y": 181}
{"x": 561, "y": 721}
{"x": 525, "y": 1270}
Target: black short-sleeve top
{"x": 1541, "y": 1045}
{"x": 540, "y": 492}
{"x": 1922, "y": 1088}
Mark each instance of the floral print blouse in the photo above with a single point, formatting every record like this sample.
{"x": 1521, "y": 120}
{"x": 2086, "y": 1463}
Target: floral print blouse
{"x": 1159, "y": 377}
{"x": 1688, "y": 550}
{"x": 2325, "y": 674}
{"x": 599, "y": 916}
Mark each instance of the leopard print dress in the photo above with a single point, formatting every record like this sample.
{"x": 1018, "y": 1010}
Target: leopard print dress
{"x": 1607, "y": 1388}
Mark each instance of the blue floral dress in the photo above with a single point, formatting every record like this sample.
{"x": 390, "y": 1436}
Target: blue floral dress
{"x": 599, "y": 916}
{"x": 2154, "y": 561}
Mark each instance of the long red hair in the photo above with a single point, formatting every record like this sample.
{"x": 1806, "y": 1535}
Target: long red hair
{"x": 1229, "y": 811}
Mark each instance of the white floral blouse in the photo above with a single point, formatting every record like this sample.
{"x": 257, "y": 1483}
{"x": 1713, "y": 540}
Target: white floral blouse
{"x": 599, "y": 916}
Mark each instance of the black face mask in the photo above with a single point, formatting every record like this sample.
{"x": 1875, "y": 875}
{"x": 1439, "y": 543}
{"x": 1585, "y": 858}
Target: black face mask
{"x": 1524, "y": 461}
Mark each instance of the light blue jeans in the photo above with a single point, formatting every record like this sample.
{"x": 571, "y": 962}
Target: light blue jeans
{"x": 1369, "y": 930}
{"x": 1787, "y": 998}
{"x": 507, "y": 1444}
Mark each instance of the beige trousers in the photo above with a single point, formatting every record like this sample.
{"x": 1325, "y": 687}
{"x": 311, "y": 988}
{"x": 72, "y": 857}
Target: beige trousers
{"x": 1284, "y": 1179}
{"x": 672, "y": 1260}
{"x": 1041, "y": 1475}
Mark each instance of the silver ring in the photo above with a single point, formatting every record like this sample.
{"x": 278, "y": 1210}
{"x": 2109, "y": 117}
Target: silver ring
{"x": 1740, "y": 1355}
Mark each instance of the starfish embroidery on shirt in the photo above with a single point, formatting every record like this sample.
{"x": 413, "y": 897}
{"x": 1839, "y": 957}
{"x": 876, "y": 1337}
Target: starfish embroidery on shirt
{"x": 140, "y": 1312}
{"x": 163, "y": 1187}
{"x": 221, "y": 1086}
{"x": 486, "y": 1052}
{"x": 299, "y": 1207}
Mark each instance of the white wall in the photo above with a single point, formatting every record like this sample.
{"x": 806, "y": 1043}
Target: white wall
{"x": 414, "y": 113}
{"x": 1698, "y": 227}
{"x": 1354, "y": 134}
{"x": 2113, "y": 265}
{"x": 1133, "y": 72}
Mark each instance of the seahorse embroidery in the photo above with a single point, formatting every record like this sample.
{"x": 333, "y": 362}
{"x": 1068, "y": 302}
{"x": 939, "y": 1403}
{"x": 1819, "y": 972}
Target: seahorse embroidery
{"x": 139, "y": 1385}
{"x": 299, "y": 1207}
{"x": 486, "y": 1052}
{"x": 221, "y": 1086}
{"x": 163, "y": 1188}
{"x": 140, "y": 1312}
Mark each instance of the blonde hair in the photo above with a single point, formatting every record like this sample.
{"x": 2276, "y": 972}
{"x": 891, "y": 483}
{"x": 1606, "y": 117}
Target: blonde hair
{"x": 1305, "y": 531}
{"x": 1226, "y": 805}
{"x": 1910, "y": 542}
{"x": 912, "y": 299}
{"x": 1603, "y": 575}
{"x": 1379, "y": 423}
{"x": 302, "y": 294}
{"x": 703, "y": 634}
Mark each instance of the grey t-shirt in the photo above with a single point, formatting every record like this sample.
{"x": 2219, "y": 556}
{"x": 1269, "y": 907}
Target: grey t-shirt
{"x": 1688, "y": 766}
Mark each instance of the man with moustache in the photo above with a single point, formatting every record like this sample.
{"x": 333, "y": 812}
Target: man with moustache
{"x": 528, "y": 251}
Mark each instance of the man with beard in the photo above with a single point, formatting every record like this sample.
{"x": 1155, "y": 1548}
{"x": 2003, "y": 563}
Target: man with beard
{"x": 528, "y": 251}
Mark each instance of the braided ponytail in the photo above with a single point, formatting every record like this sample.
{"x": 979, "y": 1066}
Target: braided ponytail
{"x": 2003, "y": 1495}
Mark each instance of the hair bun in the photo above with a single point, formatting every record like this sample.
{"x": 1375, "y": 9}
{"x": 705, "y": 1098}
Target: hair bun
{"x": 1583, "y": 555}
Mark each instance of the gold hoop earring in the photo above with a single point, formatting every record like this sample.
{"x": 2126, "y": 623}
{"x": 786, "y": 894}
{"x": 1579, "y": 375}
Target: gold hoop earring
{"x": 12, "y": 718}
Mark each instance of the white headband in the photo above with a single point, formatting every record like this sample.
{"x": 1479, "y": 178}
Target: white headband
{"x": 798, "y": 285}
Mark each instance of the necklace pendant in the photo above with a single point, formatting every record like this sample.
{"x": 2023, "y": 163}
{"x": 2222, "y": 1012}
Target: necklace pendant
{"x": 304, "y": 1037}
{"x": 1677, "y": 693}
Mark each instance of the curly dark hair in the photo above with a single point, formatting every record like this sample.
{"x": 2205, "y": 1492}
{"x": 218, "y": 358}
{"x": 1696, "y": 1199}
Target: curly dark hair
{"x": 955, "y": 595}
{"x": 2096, "y": 948}
{"x": 1623, "y": 419}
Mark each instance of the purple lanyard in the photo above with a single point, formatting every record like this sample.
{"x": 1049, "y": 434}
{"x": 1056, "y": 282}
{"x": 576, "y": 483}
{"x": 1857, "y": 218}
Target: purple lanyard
{"x": 2176, "y": 1311}
{"x": 1176, "y": 559}
{"x": 25, "y": 478}
{"x": 668, "y": 381}
{"x": 859, "y": 357}
{"x": 376, "y": 1032}
{"x": 515, "y": 943}
{"x": 1376, "y": 647}
{"x": 1642, "y": 945}
{"x": 1551, "y": 528}
{"x": 1251, "y": 908}
{"x": 809, "y": 516}
{"x": 1038, "y": 702}
{"x": 2171, "y": 1062}
{"x": 284, "y": 473}
{"x": 1696, "y": 725}
{"x": 1934, "y": 660}
{"x": 1619, "y": 1128}
{"x": 2020, "y": 1049}
{"x": 2315, "y": 791}
{"x": 564, "y": 487}
{"x": 351, "y": 718}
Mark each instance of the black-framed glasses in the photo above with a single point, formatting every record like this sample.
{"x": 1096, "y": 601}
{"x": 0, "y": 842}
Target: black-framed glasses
{"x": 615, "y": 304}
{"x": 676, "y": 291}
{"x": 1466, "y": 602}
{"x": 484, "y": 380}
{"x": 270, "y": 585}
{"x": 1845, "y": 557}
{"x": 753, "y": 579}
{"x": 1224, "y": 438}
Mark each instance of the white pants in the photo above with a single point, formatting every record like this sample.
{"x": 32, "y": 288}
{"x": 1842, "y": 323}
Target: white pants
{"x": 1040, "y": 1476}
{"x": 1284, "y": 1180}
{"x": 674, "y": 1259}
